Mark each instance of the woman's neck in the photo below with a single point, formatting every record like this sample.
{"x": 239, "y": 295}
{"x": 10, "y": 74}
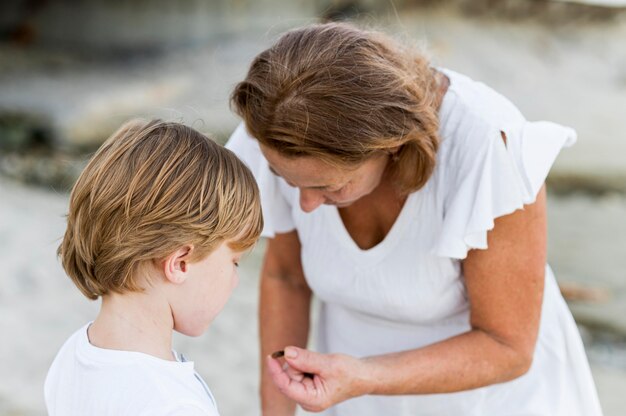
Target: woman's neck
{"x": 134, "y": 321}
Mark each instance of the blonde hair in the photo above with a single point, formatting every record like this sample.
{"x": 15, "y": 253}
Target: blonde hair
{"x": 150, "y": 189}
{"x": 342, "y": 94}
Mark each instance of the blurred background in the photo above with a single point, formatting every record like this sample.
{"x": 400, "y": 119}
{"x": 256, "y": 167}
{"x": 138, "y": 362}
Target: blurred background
{"x": 72, "y": 71}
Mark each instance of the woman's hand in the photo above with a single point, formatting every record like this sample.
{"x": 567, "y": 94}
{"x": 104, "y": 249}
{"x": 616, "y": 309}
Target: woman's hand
{"x": 317, "y": 381}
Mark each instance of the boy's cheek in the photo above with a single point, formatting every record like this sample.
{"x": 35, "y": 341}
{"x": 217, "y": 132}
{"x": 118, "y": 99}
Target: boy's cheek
{"x": 235, "y": 280}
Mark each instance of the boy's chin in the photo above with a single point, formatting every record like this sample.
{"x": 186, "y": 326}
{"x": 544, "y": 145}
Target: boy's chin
{"x": 192, "y": 330}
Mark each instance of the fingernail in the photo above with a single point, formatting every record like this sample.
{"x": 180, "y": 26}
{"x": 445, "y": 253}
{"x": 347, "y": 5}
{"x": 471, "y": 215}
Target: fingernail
{"x": 291, "y": 353}
{"x": 278, "y": 354}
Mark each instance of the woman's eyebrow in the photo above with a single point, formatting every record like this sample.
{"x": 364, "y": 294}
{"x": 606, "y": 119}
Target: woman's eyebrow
{"x": 311, "y": 187}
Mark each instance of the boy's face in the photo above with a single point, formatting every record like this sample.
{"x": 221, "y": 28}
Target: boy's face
{"x": 204, "y": 293}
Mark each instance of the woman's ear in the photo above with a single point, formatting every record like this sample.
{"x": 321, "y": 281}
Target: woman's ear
{"x": 176, "y": 265}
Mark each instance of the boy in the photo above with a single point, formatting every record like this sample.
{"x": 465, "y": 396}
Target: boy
{"x": 157, "y": 223}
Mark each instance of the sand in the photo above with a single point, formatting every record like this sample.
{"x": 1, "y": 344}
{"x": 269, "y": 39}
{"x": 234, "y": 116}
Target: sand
{"x": 40, "y": 308}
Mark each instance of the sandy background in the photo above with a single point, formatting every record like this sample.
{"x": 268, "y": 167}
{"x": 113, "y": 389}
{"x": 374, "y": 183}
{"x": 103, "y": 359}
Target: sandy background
{"x": 40, "y": 308}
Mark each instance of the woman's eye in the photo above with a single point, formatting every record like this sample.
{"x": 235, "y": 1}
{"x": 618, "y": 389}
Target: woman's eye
{"x": 236, "y": 264}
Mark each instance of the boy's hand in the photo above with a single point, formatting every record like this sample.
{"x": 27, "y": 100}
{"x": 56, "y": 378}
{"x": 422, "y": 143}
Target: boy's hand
{"x": 317, "y": 381}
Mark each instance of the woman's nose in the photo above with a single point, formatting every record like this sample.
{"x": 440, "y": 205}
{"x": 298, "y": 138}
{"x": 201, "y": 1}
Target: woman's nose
{"x": 310, "y": 199}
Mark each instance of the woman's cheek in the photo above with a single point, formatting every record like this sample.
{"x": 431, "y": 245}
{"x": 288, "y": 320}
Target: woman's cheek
{"x": 345, "y": 191}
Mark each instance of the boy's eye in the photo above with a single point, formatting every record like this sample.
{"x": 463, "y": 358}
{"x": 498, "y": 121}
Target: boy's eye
{"x": 236, "y": 264}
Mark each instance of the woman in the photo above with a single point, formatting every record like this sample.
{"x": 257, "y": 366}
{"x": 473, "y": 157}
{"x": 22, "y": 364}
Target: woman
{"x": 410, "y": 201}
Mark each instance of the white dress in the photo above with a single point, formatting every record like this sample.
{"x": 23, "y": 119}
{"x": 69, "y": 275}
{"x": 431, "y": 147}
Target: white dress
{"x": 408, "y": 291}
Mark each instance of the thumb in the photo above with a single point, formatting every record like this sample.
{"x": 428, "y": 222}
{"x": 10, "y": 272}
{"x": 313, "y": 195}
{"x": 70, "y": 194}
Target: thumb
{"x": 305, "y": 360}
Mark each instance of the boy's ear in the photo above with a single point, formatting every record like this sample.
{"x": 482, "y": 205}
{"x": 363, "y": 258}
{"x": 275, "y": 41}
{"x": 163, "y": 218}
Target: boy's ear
{"x": 176, "y": 265}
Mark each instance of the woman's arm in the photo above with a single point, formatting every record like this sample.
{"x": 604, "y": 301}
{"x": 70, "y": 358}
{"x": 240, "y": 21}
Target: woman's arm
{"x": 284, "y": 312}
{"x": 505, "y": 288}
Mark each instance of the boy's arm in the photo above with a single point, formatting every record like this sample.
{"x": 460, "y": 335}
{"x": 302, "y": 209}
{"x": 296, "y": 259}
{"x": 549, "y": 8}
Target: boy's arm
{"x": 284, "y": 313}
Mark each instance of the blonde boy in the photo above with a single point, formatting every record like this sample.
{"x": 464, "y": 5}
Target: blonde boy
{"x": 157, "y": 223}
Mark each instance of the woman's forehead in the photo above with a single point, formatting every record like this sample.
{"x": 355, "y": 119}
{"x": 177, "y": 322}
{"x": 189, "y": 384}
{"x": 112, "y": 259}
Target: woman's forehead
{"x": 305, "y": 171}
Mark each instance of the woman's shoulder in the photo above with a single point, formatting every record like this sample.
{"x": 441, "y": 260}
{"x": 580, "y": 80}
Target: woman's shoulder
{"x": 472, "y": 102}
{"x": 473, "y": 117}
{"x": 477, "y": 124}
{"x": 491, "y": 162}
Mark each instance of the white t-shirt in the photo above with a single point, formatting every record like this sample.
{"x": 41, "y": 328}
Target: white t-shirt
{"x": 409, "y": 290}
{"x": 87, "y": 380}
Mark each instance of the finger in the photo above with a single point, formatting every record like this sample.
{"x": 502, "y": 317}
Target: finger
{"x": 306, "y": 361}
{"x": 293, "y": 374}
{"x": 283, "y": 375}
{"x": 278, "y": 374}
{"x": 303, "y": 392}
{"x": 309, "y": 385}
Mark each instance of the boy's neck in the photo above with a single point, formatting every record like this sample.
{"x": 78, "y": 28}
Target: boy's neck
{"x": 134, "y": 321}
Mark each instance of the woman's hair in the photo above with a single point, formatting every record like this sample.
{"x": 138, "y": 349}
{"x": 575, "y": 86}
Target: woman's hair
{"x": 152, "y": 188}
{"x": 343, "y": 94}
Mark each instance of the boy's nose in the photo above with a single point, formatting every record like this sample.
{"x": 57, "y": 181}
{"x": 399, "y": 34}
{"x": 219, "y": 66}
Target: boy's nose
{"x": 310, "y": 199}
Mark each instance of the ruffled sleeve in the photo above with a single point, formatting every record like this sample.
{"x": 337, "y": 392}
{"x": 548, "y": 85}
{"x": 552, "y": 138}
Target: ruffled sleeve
{"x": 275, "y": 204}
{"x": 487, "y": 178}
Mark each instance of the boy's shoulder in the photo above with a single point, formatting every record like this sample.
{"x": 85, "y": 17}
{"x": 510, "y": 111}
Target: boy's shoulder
{"x": 85, "y": 379}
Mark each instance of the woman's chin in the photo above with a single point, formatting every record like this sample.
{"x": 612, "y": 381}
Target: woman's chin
{"x": 339, "y": 204}
{"x": 342, "y": 204}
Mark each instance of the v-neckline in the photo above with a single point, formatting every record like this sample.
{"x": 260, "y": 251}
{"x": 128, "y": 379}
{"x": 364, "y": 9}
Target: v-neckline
{"x": 388, "y": 242}
{"x": 397, "y": 229}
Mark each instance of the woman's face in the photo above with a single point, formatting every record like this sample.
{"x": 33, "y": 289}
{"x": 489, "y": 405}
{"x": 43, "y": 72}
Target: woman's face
{"x": 322, "y": 183}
